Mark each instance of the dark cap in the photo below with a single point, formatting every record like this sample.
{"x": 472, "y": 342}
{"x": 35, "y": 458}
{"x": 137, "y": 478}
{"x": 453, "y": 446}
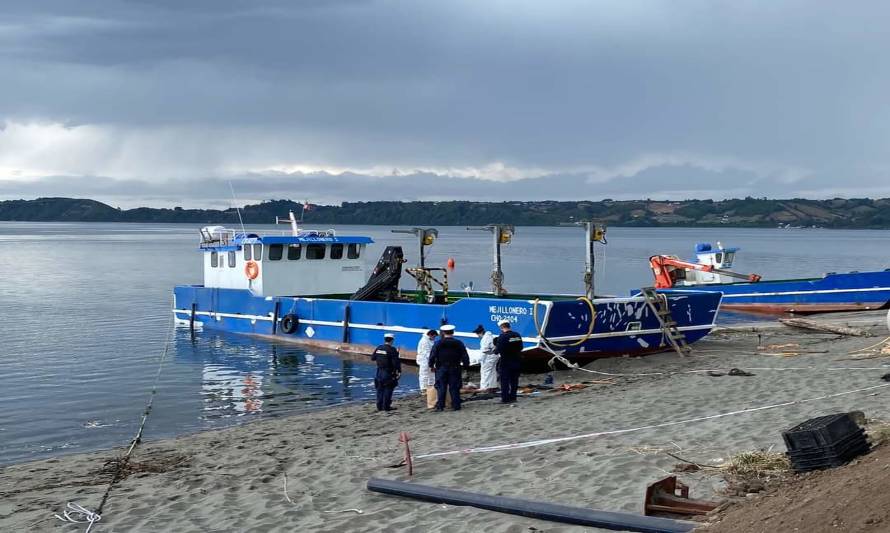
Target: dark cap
{"x": 433, "y": 332}
{"x": 479, "y": 329}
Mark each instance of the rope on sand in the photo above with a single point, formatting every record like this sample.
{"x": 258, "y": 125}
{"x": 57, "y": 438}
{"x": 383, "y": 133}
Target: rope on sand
{"x": 574, "y": 366}
{"x": 80, "y": 515}
{"x": 873, "y": 346}
{"x": 286, "y": 495}
{"x": 541, "y": 442}
{"x": 77, "y": 514}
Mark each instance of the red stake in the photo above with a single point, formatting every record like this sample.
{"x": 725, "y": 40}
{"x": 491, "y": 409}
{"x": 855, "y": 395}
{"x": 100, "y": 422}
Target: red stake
{"x": 405, "y": 437}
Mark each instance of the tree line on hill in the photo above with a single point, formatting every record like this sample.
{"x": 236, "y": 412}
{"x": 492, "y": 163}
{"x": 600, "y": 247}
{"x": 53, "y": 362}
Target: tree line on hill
{"x": 746, "y": 212}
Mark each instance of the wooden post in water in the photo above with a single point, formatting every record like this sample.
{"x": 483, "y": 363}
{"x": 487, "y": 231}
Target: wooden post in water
{"x": 275, "y": 317}
{"x": 346, "y": 313}
{"x": 192, "y": 320}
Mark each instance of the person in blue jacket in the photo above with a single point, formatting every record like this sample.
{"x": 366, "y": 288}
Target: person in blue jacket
{"x": 509, "y": 346}
{"x": 389, "y": 370}
{"x": 448, "y": 358}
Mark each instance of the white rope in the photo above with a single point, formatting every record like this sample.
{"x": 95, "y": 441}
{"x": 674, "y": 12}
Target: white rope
{"x": 76, "y": 514}
{"x": 93, "y": 517}
{"x": 541, "y": 442}
{"x": 286, "y": 496}
{"x": 574, "y": 366}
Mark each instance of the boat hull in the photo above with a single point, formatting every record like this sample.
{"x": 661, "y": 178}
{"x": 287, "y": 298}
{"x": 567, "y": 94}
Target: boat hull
{"x": 621, "y": 326}
{"x": 853, "y": 291}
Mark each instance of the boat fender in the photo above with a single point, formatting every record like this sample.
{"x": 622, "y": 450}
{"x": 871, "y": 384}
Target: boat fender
{"x": 290, "y": 323}
{"x": 251, "y": 270}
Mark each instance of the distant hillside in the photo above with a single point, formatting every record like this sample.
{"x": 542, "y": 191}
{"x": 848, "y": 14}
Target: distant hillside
{"x": 747, "y": 212}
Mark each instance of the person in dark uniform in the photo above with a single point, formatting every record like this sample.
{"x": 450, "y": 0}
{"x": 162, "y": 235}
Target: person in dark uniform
{"x": 509, "y": 346}
{"x": 389, "y": 370}
{"x": 448, "y": 358}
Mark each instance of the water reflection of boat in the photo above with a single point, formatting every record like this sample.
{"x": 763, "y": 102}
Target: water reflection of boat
{"x": 311, "y": 287}
{"x": 227, "y": 390}
{"x": 241, "y": 376}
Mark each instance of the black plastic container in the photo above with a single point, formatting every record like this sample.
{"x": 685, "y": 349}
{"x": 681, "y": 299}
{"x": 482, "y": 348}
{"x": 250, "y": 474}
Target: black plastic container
{"x": 803, "y": 464}
{"x": 825, "y": 442}
{"x": 840, "y": 448}
{"x": 820, "y": 432}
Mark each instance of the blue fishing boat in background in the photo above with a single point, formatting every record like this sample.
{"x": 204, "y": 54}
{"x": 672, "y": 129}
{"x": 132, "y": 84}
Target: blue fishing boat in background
{"x": 312, "y": 287}
{"x": 850, "y": 291}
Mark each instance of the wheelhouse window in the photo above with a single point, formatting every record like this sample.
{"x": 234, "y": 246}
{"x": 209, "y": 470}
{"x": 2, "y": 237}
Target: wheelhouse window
{"x": 336, "y": 251}
{"x": 294, "y": 251}
{"x": 231, "y": 259}
{"x": 353, "y": 251}
{"x": 247, "y": 252}
{"x": 315, "y": 251}
{"x": 276, "y": 252}
{"x": 718, "y": 257}
{"x": 214, "y": 259}
{"x": 257, "y": 252}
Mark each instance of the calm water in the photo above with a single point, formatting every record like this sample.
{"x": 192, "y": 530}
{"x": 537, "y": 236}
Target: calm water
{"x": 85, "y": 310}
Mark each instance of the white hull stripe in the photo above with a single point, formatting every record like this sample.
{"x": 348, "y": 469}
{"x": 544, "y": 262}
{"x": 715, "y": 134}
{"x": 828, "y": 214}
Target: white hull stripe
{"x": 625, "y": 333}
{"x": 403, "y": 329}
{"x": 824, "y": 291}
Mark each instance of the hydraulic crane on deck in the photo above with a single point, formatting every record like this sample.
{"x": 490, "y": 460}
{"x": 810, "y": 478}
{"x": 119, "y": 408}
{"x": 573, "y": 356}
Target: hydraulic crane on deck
{"x": 669, "y": 270}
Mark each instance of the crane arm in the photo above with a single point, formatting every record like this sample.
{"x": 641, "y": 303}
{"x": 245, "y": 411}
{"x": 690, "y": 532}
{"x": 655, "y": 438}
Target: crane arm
{"x": 663, "y": 279}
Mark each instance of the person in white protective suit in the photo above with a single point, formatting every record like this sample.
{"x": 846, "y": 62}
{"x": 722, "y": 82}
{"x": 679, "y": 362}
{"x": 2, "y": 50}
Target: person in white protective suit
{"x": 423, "y": 359}
{"x": 488, "y": 380}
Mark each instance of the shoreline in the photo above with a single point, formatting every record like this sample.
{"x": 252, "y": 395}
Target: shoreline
{"x": 233, "y": 478}
{"x": 784, "y": 214}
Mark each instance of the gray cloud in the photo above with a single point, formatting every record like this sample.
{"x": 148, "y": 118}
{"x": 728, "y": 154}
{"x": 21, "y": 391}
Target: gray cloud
{"x": 674, "y": 183}
{"x": 168, "y": 98}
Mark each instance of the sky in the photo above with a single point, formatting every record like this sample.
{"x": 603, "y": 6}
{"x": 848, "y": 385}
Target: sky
{"x": 165, "y": 102}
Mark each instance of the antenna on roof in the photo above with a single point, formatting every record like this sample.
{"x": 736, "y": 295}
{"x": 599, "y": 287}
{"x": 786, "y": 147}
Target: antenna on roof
{"x": 237, "y": 209}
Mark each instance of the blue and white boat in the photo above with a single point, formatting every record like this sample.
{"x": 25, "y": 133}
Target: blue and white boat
{"x": 313, "y": 287}
{"x": 850, "y": 291}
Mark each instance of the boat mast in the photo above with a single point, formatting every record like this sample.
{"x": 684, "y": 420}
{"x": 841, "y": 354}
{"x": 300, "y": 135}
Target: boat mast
{"x": 292, "y": 220}
{"x": 593, "y": 233}
{"x": 425, "y": 236}
{"x": 501, "y": 234}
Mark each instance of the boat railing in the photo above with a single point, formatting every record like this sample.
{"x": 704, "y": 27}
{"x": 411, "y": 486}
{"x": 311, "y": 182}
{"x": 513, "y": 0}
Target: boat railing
{"x": 214, "y": 236}
{"x": 302, "y": 233}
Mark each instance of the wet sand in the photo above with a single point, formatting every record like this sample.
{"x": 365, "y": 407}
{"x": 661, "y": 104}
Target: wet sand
{"x": 233, "y": 479}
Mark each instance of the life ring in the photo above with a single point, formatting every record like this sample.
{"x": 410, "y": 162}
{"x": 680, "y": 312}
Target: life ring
{"x": 290, "y": 323}
{"x": 251, "y": 270}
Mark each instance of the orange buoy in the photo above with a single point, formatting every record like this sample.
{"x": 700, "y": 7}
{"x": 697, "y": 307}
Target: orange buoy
{"x": 451, "y": 263}
{"x": 251, "y": 270}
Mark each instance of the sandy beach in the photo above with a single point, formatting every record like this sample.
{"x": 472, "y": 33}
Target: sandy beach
{"x": 234, "y": 479}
